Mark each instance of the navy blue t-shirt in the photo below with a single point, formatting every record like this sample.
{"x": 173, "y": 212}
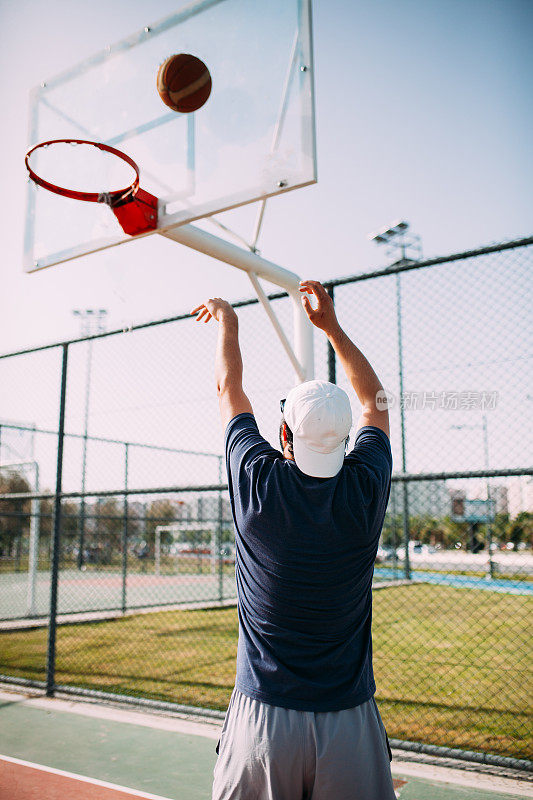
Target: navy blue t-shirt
{"x": 305, "y": 551}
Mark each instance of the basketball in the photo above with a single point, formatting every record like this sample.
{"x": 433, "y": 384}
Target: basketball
{"x": 183, "y": 83}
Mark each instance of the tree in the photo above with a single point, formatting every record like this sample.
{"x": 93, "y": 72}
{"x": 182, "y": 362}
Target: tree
{"x": 104, "y": 542}
{"x": 14, "y": 515}
{"x": 392, "y": 535}
{"x": 454, "y": 532}
{"x": 500, "y": 527}
{"x": 160, "y": 512}
{"x": 432, "y": 531}
{"x": 521, "y": 529}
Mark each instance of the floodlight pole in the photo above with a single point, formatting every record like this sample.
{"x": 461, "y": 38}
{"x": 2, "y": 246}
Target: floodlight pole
{"x": 490, "y": 516}
{"x": 91, "y": 321}
{"x": 397, "y": 241}
{"x": 405, "y": 487}
{"x": 302, "y": 354}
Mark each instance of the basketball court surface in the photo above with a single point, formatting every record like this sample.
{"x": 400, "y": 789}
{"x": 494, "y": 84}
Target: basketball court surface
{"x": 58, "y": 748}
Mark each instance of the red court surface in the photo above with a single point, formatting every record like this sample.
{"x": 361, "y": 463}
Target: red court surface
{"x": 21, "y": 780}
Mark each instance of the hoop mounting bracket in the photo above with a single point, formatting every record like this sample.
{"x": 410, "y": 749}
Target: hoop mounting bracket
{"x": 137, "y": 213}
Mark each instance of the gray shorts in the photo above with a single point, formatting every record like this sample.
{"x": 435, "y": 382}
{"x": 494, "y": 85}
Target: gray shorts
{"x": 272, "y": 753}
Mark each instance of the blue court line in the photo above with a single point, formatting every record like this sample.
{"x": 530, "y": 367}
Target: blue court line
{"x": 461, "y": 581}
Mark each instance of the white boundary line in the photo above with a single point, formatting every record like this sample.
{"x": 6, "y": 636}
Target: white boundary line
{"x": 82, "y": 779}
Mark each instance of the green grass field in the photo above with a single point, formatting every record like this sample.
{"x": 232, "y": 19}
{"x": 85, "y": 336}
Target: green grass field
{"x": 451, "y": 664}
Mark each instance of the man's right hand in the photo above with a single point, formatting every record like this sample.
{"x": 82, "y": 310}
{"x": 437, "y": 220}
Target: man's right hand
{"x": 323, "y": 316}
{"x": 358, "y": 371}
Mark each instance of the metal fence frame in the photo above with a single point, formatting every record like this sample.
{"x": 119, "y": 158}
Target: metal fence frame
{"x": 403, "y": 478}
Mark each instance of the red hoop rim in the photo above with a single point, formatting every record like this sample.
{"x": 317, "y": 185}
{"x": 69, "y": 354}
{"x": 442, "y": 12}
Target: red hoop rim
{"x": 111, "y": 198}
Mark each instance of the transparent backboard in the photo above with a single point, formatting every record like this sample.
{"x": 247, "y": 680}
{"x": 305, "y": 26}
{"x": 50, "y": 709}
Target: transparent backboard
{"x": 253, "y": 138}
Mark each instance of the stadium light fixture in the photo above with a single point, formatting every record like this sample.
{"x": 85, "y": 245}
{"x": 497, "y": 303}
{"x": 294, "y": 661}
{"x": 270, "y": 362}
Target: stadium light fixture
{"x": 399, "y": 241}
{"x": 389, "y": 232}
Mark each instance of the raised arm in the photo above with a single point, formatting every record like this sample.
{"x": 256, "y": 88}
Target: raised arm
{"x": 228, "y": 360}
{"x": 362, "y": 377}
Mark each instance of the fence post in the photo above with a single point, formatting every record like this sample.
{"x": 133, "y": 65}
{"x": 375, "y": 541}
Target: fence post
{"x": 33, "y": 555}
{"x": 125, "y": 531}
{"x": 219, "y": 537}
{"x": 332, "y": 364}
{"x": 405, "y": 489}
{"x": 84, "y": 457}
{"x": 393, "y": 492}
{"x": 52, "y": 626}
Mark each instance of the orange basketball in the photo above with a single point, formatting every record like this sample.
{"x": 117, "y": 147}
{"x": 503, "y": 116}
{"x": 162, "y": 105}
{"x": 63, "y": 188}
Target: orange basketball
{"x": 183, "y": 83}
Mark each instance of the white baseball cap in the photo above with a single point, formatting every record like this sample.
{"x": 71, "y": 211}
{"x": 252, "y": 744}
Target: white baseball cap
{"x": 320, "y": 417}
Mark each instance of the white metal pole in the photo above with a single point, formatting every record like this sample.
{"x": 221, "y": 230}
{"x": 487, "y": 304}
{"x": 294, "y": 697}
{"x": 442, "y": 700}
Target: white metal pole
{"x": 295, "y": 361}
{"x": 225, "y": 251}
{"x": 301, "y": 355}
{"x": 158, "y": 550}
{"x": 303, "y": 336}
{"x": 35, "y": 523}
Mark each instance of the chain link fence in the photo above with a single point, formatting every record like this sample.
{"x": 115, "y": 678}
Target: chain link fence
{"x": 137, "y": 598}
{"x": 112, "y": 535}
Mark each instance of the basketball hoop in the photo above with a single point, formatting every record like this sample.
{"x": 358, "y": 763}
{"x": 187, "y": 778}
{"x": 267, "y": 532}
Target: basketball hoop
{"x": 134, "y": 208}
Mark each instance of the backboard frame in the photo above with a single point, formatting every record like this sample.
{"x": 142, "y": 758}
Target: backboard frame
{"x": 275, "y": 171}
{"x": 300, "y": 70}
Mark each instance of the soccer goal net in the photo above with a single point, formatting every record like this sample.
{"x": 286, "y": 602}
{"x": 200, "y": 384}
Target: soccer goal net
{"x": 186, "y": 546}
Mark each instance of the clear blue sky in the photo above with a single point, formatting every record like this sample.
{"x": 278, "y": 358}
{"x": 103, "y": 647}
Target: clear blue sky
{"x": 424, "y": 111}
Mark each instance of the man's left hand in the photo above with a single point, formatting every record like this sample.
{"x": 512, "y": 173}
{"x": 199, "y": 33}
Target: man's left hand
{"x": 215, "y": 308}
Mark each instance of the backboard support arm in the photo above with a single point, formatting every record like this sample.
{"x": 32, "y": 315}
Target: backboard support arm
{"x": 301, "y": 354}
